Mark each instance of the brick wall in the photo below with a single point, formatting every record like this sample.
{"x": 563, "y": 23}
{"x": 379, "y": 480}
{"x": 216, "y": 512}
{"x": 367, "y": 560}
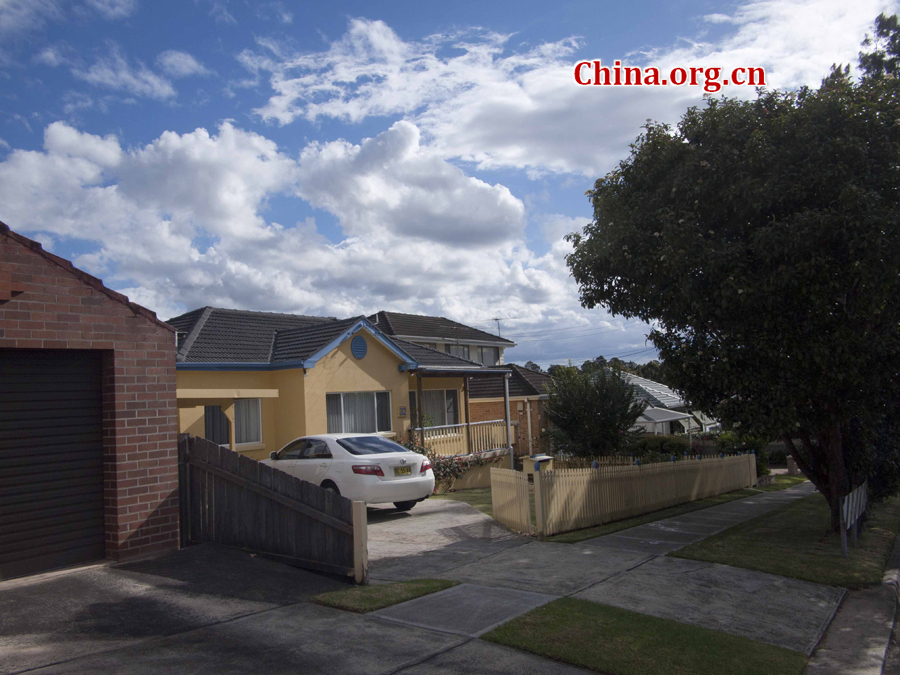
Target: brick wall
{"x": 46, "y": 303}
{"x": 486, "y": 410}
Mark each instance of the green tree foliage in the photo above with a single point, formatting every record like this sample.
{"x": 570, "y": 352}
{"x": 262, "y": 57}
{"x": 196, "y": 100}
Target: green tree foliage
{"x": 883, "y": 57}
{"x": 763, "y": 237}
{"x": 531, "y": 365}
{"x": 593, "y": 413}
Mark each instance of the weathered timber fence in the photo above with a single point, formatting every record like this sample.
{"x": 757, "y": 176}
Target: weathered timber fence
{"x": 572, "y": 499}
{"x": 226, "y": 498}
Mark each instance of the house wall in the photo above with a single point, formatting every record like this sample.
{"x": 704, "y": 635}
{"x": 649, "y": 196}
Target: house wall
{"x": 61, "y": 307}
{"x": 191, "y": 418}
{"x": 340, "y": 371}
{"x": 483, "y": 410}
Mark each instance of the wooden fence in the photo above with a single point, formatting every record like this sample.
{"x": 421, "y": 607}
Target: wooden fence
{"x": 572, "y": 499}
{"x": 226, "y": 498}
{"x": 511, "y": 498}
{"x": 462, "y": 439}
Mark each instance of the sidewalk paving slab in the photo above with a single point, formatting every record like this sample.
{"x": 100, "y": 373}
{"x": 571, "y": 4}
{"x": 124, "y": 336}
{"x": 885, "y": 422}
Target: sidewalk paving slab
{"x": 486, "y": 658}
{"x": 465, "y": 609}
{"x": 545, "y": 567}
{"x": 765, "y": 607}
{"x": 302, "y": 638}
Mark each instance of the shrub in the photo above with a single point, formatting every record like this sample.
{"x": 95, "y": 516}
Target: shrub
{"x": 445, "y": 468}
{"x": 730, "y": 442}
{"x": 659, "y": 444}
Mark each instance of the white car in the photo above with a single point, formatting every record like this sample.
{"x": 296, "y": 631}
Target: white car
{"x": 361, "y": 467}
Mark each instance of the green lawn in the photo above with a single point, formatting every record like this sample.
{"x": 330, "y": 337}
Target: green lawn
{"x": 618, "y": 642}
{"x": 369, "y": 598}
{"x": 796, "y": 542}
{"x": 782, "y": 482}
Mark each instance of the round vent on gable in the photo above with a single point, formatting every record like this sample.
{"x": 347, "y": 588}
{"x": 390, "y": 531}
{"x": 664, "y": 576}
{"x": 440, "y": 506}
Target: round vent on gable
{"x": 358, "y": 346}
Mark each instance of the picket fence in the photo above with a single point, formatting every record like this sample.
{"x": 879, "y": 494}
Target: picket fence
{"x": 571, "y": 499}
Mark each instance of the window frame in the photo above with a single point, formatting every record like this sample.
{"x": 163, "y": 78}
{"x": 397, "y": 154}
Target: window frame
{"x": 374, "y": 404}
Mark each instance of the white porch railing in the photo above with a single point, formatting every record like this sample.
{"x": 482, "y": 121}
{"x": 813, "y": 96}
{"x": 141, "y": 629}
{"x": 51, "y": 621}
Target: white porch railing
{"x": 451, "y": 439}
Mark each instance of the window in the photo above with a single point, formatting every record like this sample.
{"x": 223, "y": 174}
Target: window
{"x": 358, "y": 412}
{"x": 440, "y": 407}
{"x": 462, "y": 351}
{"x": 488, "y": 356}
{"x": 369, "y": 445}
{"x": 247, "y": 421}
{"x": 294, "y": 450}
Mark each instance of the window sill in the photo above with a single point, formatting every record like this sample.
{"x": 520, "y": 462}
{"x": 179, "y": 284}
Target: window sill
{"x": 249, "y": 447}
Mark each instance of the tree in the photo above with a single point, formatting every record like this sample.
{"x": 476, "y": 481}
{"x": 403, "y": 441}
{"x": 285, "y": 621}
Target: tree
{"x": 555, "y": 370}
{"x": 884, "y": 57}
{"x": 531, "y": 365}
{"x": 763, "y": 237}
{"x": 593, "y": 413}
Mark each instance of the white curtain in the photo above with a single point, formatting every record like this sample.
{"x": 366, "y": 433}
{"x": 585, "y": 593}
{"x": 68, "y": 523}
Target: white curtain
{"x": 359, "y": 413}
{"x": 433, "y": 407}
{"x": 247, "y": 421}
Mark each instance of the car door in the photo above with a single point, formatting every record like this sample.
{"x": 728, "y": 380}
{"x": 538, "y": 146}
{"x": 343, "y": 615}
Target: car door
{"x": 290, "y": 459}
{"x": 320, "y": 460}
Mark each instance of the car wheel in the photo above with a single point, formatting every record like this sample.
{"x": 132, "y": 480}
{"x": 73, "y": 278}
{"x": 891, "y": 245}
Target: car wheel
{"x": 331, "y": 487}
{"x": 404, "y": 506}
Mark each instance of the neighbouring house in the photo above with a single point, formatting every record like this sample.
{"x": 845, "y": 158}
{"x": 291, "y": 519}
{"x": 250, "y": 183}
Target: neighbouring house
{"x": 88, "y": 421}
{"x": 256, "y": 380}
{"x": 527, "y": 397}
{"x": 444, "y": 335}
{"x": 666, "y": 411}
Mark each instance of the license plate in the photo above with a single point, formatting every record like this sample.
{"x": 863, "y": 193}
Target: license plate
{"x": 402, "y": 470}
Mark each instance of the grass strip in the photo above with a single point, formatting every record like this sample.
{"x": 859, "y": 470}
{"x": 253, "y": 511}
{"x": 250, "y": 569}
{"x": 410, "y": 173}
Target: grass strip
{"x": 619, "y": 642}
{"x": 796, "y": 542}
{"x": 364, "y": 599}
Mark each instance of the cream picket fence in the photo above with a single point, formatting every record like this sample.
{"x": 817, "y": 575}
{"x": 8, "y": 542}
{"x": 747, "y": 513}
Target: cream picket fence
{"x": 572, "y": 499}
{"x": 511, "y": 499}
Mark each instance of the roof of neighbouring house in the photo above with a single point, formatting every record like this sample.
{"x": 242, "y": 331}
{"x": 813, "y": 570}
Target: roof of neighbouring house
{"x": 653, "y": 393}
{"x": 425, "y": 356}
{"x": 425, "y": 327}
{"x": 211, "y": 334}
{"x": 522, "y": 382}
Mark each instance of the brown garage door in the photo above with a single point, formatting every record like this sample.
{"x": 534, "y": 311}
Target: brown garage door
{"x": 51, "y": 460}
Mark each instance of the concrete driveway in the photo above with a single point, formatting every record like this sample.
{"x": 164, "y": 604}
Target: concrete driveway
{"x": 215, "y": 610}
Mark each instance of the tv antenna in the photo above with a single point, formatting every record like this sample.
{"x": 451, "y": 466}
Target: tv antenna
{"x": 497, "y": 319}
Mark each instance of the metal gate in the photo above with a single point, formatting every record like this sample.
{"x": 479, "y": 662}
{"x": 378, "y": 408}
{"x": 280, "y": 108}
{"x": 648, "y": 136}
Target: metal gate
{"x": 51, "y": 460}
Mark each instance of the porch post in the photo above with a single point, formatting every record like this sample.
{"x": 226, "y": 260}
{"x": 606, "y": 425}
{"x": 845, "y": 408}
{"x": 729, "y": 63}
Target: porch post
{"x": 420, "y": 405}
{"x": 468, "y": 425}
{"x": 512, "y": 454}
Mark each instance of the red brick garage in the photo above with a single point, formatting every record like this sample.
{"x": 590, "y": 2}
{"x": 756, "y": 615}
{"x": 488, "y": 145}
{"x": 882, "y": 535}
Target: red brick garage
{"x": 88, "y": 454}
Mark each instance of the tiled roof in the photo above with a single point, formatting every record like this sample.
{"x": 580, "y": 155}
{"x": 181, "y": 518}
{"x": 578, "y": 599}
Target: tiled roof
{"x": 522, "y": 382}
{"x": 214, "y": 335}
{"x": 418, "y": 326}
{"x": 301, "y": 343}
{"x": 425, "y": 356}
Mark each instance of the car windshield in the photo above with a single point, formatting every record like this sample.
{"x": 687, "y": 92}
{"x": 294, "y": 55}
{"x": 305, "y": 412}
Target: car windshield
{"x": 369, "y": 445}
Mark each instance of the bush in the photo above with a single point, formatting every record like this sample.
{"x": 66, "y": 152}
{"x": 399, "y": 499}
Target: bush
{"x": 659, "y": 444}
{"x": 445, "y": 468}
{"x": 777, "y": 454}
{"x": 730, "y": 442}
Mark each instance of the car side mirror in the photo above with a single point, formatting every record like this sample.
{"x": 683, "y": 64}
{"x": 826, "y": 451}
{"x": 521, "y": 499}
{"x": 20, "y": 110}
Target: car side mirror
{"x": 273, "y": 455}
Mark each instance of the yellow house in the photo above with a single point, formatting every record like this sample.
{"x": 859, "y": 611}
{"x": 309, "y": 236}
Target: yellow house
{"x": 256, "y": 380}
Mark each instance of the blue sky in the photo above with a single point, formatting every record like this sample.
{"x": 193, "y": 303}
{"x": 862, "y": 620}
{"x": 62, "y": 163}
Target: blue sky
{"x": 340, "y": 158}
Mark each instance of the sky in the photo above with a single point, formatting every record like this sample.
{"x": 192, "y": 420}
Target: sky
{"x": 340, "y": 158}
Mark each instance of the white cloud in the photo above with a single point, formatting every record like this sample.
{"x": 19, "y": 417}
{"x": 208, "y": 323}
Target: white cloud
{"x": 113, "y": 71}
{"x": 50, "y": 56}
{"x": 19, "y": 16}
{"x": 181, "y": 222}
{"x": 114, "y": 9}
{"x": 477, "y": 99}
{"x": 556, "y": 226}
{"x": 180, "y": 64}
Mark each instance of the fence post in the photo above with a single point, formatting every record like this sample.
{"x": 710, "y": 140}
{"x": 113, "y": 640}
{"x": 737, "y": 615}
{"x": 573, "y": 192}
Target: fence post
{"x": 538, "y": 501}
{"x": 360, "y": 543}
{"x": 184, "y": 497}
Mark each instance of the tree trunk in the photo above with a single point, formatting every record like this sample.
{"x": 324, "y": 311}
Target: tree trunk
{"x": 823, "y": 463}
